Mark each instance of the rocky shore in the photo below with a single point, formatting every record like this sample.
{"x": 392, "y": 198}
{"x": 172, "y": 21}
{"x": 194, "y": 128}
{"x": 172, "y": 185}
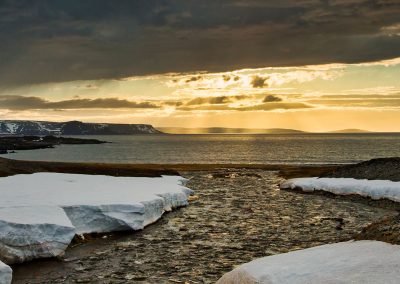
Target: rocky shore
{"x": 236, "y": 216}
{"x": 382, "y": 169}
{"x": 13, "y": 143}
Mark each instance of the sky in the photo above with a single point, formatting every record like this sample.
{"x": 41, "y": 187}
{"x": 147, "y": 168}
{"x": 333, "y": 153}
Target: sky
{"x": 314, "y": 65}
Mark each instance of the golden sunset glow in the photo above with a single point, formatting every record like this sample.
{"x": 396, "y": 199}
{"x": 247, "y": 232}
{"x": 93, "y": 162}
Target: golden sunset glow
{"x": 313, "y": 98}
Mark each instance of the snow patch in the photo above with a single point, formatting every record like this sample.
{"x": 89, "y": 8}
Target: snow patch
{"x": 12, "y": 127}
{"x": 376, "y": 189}
{"x": 5, "y": 274}
{"x": 40, "y": 213}
{"x": 346, "y": 262}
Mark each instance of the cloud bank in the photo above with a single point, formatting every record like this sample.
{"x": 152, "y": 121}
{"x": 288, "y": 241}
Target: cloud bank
{"x": 53, "y": 41}
{"x": 26, "y": 103}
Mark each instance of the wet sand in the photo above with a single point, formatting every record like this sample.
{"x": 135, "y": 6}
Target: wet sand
{"x": 238, "y": 214}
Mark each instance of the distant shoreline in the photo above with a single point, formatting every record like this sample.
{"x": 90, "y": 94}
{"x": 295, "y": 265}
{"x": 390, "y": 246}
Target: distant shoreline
{"x": 281, "y": 133}
{"x": 271, "y": 131}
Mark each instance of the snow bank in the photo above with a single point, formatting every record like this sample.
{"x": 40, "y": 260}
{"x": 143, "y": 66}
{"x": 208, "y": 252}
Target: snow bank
{"x": 40, "y": 213}
{"x": 376, "y": 189}
{"x": 347, "y": 262}
{"x": 5, "y": 274}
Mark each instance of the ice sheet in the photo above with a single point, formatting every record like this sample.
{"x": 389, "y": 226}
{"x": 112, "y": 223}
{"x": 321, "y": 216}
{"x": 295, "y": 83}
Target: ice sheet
{"x": 40, "y": 213}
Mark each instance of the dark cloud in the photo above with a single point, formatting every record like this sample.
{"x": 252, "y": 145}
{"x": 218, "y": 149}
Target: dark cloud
{"x": 362, "y": 102}
{"x": 257, "y": 107}
{"x": 194, "y": 79}
{"x": 216, "y": 100}
{"x": 48, "y": 41}
{"x": 259, "y": 82}
{"x": 26, "y": 103}
{"x": 274, "y": 106}
{"x": 364, "y": 96}
{"x": 226, "y": 78}
{"x": 172, "y": 103}
{"x": 271, "y": 98}
{"x": 209, "y": 100}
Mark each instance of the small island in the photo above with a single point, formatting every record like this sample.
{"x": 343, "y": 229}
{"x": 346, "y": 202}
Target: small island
{"x": 13, "y": 143}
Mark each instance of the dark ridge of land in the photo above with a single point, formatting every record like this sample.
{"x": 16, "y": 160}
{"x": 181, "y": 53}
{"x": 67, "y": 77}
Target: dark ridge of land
{"x": 350, "y": 131}
{"x": 41, "y": 128}
{"x": 12, "y": 143}
{"x": 289, "y": 172}
{"x": 383, "y": 169}
{"x": 11, "y": 167}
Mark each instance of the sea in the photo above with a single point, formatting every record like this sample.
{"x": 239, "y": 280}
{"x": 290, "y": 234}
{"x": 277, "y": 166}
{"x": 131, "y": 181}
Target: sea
{"x": 225, "y": 149}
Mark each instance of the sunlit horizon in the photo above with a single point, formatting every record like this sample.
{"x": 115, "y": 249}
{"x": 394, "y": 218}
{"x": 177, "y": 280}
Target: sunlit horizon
{"x": 316, "y": 98}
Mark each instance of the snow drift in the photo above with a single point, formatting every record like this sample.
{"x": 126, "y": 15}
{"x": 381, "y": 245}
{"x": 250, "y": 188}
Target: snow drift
{"x": 40, "y": 213}
{"x": 376, "y": 189}
{"x": 347, "y": 262}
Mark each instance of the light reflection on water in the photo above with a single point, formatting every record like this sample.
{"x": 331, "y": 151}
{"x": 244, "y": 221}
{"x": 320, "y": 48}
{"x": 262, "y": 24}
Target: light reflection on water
{"x": 269, "y": 149}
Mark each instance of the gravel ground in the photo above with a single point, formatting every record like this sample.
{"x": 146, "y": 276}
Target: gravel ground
{"x": 236, "y": 216}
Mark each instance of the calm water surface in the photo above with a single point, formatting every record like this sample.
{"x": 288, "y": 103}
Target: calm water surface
{"x": 269, "y": 149}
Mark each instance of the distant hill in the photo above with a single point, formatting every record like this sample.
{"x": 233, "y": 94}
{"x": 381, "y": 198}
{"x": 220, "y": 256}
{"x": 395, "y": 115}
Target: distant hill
{"x": 21, "y": 127}
{"x": 224, "y": 130}
{"x": 350, "y": 130}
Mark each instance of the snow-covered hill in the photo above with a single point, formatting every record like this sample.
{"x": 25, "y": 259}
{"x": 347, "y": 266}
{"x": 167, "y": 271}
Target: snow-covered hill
{"x": 21, "y": 127}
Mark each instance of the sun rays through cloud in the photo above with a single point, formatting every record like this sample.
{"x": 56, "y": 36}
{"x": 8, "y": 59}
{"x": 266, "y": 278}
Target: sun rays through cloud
{"x": 170, "y": 98}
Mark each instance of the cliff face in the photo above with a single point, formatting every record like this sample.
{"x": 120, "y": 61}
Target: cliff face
{"x": 19, "y": 127}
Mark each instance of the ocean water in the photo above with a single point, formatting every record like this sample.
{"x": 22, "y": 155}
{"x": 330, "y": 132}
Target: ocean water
{"x": 225, "y": 149}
